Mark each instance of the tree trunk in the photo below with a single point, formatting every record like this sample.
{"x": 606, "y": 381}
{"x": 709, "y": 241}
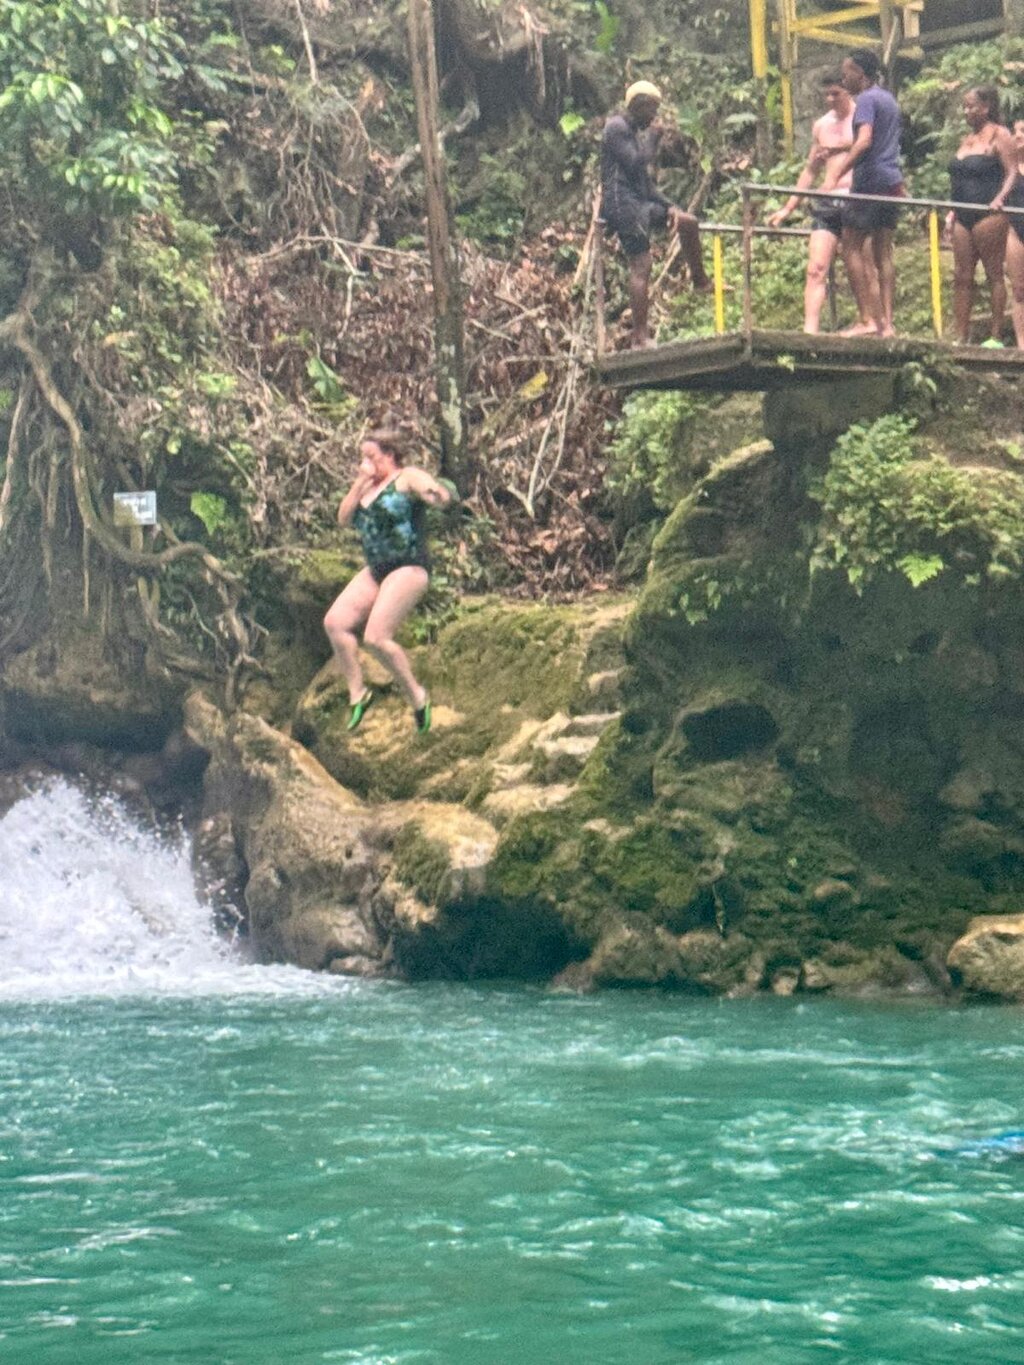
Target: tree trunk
{"x": 1014, "y": 11}
{"x": 444, "y": 264}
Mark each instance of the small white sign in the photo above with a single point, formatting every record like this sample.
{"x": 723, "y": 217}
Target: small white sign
{"x": 135, "y": 509}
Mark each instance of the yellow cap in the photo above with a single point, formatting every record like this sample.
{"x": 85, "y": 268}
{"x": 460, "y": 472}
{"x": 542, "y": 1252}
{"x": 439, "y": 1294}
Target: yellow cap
{"x": 639, "y": 88}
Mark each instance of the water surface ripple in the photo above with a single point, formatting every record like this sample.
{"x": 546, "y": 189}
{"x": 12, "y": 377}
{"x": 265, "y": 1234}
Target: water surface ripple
{"x": 378, "y": 1173}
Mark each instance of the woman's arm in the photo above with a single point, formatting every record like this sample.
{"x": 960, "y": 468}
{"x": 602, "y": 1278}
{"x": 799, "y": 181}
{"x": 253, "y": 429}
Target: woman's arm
{"x": 1007, "y": 152}
{"x": 349, "y": 503}
{"x": 433, "y": 491}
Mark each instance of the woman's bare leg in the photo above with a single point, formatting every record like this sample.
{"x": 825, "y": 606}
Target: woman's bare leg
{"x": 989, "y": 238}
{"x": 965, "y": 261}
{"x": 344, "y": 617}
{"x": 1015, "y": 270}
{"x": 821, "y": 253}
{"x": 398, "y": 594}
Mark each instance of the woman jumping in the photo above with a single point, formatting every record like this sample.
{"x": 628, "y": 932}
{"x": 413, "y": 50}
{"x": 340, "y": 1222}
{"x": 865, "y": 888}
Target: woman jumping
{"x": 386, "y": 504}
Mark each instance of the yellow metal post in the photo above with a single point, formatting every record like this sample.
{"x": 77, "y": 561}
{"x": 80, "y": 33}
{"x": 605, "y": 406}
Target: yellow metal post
{"x": 933, "y": 243}
{"x": 758, "y": 39}
{"x": 759, "y": 65}
{"x": 787, "y": 59}
{"x": 718, "y": 272}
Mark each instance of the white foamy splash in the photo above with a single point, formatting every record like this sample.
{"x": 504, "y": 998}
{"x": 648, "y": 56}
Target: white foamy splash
{"x": 92, "y": 904}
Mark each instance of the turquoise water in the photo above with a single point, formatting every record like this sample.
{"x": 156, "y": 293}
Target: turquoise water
{"x": 452, "y": 1174}
{"x": 208, "y": 1161}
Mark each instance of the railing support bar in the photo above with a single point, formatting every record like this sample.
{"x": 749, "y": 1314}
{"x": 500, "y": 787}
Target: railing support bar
{"x": 748, "y": 261}
{"x": 718, "y": 272}
{"x": 933, "y": 253}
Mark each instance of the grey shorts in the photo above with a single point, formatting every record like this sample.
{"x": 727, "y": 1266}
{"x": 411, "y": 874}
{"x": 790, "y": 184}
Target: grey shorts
{"x": 634, "y": 223}
{"x": 859, "y": 216}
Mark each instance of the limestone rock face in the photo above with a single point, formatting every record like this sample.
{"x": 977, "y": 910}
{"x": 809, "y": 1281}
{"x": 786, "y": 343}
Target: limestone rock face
{"x": 64, "y": 689}
{"x": 306, "y": 842}
{"x": 989, "y": 958}
{"x": 332, "y": 882}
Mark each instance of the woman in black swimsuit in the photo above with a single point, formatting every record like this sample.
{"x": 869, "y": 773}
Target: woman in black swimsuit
{"x": 982, "y": 172}
{"x": 1015, "y": 238}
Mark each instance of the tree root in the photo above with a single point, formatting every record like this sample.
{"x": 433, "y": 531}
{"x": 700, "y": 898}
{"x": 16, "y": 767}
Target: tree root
{"x": 14, "y": 332}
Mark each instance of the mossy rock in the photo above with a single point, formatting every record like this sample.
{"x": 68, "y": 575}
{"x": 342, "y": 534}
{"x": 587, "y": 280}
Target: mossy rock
{"x": 495, "y": 667}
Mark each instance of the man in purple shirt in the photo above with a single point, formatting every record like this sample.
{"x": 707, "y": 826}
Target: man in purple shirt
{"x": 869, "y": 228}
{"x": 633, "y": 206}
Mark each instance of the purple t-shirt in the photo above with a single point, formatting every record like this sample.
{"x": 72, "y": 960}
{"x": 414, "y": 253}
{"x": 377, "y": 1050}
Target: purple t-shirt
{"x": 879, "y": 169}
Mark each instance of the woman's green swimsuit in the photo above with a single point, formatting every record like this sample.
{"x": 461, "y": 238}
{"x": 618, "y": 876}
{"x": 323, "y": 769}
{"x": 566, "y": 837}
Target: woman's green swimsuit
{"x": 393, "y": 532}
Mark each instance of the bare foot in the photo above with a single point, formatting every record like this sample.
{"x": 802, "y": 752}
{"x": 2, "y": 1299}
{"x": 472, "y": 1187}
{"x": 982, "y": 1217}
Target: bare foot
{"x": 643, "y": 344}
{"x": 887, "y": 332}
{"x": 859, "y": 329}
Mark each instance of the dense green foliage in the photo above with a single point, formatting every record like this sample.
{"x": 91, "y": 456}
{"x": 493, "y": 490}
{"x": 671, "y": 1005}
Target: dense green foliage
{"x": 888, "y": 502}
{"x": 652, "y": 452}
{"x": 83, "y": 108}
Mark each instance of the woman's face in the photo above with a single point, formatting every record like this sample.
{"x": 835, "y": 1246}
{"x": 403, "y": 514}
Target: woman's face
{"x": 373, "y": 459}
{"x": 975, "y": 110}
{"x": 1018, "y": 135}
{"x": 376, "y": 460}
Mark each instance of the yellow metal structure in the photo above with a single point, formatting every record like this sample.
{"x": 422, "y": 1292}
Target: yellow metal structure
{"x": 885, "y": 24}
{"x": 718, "y": 274}
{"x": 933, "y": 253}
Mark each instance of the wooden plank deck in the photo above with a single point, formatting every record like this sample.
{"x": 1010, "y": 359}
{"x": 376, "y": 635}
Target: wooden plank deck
{"x": 779, "y": 359}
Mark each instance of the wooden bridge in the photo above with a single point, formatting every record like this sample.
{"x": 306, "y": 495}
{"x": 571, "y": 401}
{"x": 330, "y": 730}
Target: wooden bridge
{"x": 764, "y": 360}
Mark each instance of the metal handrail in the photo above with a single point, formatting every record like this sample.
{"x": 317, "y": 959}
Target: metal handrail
{"x": 901, "y": 200}
{"x": 750, "y": 188}
{"x": 749, "y": 229}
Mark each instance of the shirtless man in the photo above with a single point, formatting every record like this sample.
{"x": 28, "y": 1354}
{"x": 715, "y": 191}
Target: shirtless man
{"x": 831, "y": 134}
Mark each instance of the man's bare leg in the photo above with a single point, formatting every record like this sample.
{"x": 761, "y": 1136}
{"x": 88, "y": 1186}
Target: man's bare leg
{"x": 639, "y": 295}
{"x": 693, "y": 254}
{"x": 882, "y": 240}
{"x": 860, "y": 268}
{"x": 821, "y": 254}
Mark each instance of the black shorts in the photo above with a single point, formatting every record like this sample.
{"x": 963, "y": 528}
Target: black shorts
{"x": 633, "y": 224}
{"x": 380, "y": 571}
{"x": 867, "y": 216}
{"x": 827, "y": 217}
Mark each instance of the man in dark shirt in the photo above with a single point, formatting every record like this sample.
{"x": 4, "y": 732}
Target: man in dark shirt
{"x": 633, "y": 206}
{"x": 869, "y": 229}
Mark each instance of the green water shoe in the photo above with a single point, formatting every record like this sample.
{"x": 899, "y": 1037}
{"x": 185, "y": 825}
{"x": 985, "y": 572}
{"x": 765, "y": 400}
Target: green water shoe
{"x": 422, "y": 716}
{"x": 358, "y": 710}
